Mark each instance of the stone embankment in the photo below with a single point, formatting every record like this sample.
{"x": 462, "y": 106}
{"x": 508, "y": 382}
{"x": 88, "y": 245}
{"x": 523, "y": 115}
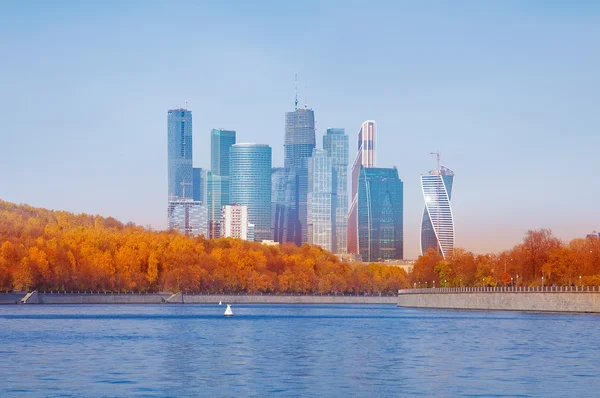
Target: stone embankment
{"x": 547, "y": 299}
{"x": 178, "y": 298}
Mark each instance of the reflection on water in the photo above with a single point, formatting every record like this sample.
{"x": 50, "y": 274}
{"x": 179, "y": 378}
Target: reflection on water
{"x": 355, "y": 350}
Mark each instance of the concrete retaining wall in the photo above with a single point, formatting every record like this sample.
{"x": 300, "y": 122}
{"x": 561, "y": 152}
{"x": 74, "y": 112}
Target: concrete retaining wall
{"x": 504, "y": 301}
{"x": 269, "y": 299}
{"x": 79, "y": 298}
{"x": 11, "y": 298}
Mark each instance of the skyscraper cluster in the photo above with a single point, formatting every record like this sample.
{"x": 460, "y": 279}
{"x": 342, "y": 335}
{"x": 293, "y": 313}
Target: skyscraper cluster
{"x": 305, "y": 201}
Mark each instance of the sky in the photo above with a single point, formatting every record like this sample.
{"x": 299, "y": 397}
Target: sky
{"x": 507, "y": 91}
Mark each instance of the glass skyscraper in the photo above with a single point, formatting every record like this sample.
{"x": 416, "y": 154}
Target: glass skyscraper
{"x": 437, "y": 225}
{"x": 322, "y": 201}
{"x": 179, "y": 154}
{"x": 198, "y": 185}
{"x": 250, "y": 184}
{"x": 220, "y": 144}
{"x": 299, "y": 142}
{"x": 380, "y": 214}
{"x": 365, "y": 157}
{"x": 286, "y": 227}
{"x": 216, "y": 195}
{"x": 335, "y": 142}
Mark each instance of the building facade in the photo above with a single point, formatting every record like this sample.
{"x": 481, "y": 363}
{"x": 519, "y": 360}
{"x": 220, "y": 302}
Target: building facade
{"x": 286, "y": 226}
{"x": 365, "y": 158}
{"x": 322, "y": 201}
{"x": 437, "y": 224}
{"x": 250, "y": 184}
{"x": 335, "y": 142}
{"x": 179, "y": 154}
{"x": 188, "y": 217}
{"x": 380, "y": 216}
{"x": 216, "y": 195}
{"x": 235, "y": 222}
{"x": 220, "y": 144}
{"x": 198, "y": 184}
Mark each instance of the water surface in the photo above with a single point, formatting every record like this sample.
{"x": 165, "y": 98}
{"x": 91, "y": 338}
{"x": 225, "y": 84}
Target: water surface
{"x": 294, "y": 350}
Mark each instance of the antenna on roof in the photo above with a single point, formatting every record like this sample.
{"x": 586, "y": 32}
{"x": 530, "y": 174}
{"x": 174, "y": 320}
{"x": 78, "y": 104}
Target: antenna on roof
{"x": 296, "y": 90}
{"x": 305, "y": 97}
{"x": 186, "y": 101}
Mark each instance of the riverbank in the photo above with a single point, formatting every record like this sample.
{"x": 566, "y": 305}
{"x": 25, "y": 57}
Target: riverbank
{"x": 178, "y": 298}
{"x": 550, "y": 299}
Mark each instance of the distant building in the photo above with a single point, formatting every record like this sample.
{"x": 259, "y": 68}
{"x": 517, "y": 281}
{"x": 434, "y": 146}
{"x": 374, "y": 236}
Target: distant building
{"x": 198, "y": 185}
{"x": 286, "y": 226}
{"x": 251, "y": 237}
{"x": 220, "y": 144}
{"x": 216, "y": 195}
{"x": 188, "y": 217}
{"x": 250, "y": 184}
{"x": 437, "y": 225}
{"x": 379, "y": 210}
{"x": 179, "y": 153}
{"x": 594, "y": 234}
{"x": 235, "y": 222}
{"x": 322, "y": 201}
{"x": 365, "y": 158}
{"x": 335, "y": 142}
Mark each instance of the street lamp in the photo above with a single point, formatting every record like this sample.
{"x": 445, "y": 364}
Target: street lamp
{"x": 511, "y": 282}
{"x": 517, "y": 280}
{"x": 434, "y": 284}
{"x": 445, "y": 284}
{"x": 580, "y": 282}
{"x": 483, "y": 282}
{"x": 542, "y": 283}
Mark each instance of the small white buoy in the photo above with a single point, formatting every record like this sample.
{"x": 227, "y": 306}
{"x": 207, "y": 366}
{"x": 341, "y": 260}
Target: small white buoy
{"x": 220, "y": 303}
{"x": 228, "y": 311}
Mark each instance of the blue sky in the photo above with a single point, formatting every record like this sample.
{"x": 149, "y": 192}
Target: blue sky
{"x": 508, "y": 92}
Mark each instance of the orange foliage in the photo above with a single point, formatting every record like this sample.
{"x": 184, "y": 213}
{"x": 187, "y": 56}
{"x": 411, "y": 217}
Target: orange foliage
{"x": 56, "y": 250}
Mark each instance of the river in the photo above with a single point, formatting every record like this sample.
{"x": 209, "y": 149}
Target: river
{"x": 294, "y": 350}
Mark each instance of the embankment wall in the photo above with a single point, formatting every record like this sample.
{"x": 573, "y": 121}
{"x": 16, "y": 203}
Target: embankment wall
{"x": 504, "y": 301}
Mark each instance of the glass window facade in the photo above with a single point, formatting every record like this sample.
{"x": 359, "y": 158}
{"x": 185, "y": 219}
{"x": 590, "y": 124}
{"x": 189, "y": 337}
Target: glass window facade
{"x": 335, "y": 142}
{"x": 437, "y": 224}
{"x": 286, "y": 227}
{"x": 179, "y": 154}
{"x": 188, "y": 217}
{"x": 322, "y": 201}
{"x": 216, "y": 195}
{"x": 250, "y": 185}
{"x": 220, "y": 145}
{"x": 198, "y": 184}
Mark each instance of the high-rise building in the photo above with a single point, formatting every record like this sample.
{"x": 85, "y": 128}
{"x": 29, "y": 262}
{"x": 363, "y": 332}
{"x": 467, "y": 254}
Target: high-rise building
{"x": 335, "y": 142}
{"x": 365, "y": 158}
{"x": 379, "y": 215}
{"x": 286, "y": 227}
{"x": 298, "y": 145}
{"x": 437, "y": 225}
{"x": 216, "y": 196}
{"x": 220, "y": 144}
{"x": 179, "y": 154}
{"x": 322, "y": 201}
{"x": 198, "y": 184}
{"x": 235, "y": 222}
{"x": 250, "y": 184}
{"x": 188, "y": 217}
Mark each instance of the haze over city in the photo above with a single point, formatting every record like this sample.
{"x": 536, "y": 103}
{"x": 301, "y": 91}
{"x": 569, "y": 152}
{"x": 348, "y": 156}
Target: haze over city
{"x": 507, "y": 92}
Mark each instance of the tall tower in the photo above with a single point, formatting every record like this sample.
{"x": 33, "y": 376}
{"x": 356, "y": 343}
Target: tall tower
{"x": 365, "y": 158}
{"x": 437, "y": 225}
{"x": 179, "y": 153}
{"x": 220, "y": 143}
{"x": 335, "y": 142}
{"x": 250, "y": 184}
{"x": 322, "y": 201}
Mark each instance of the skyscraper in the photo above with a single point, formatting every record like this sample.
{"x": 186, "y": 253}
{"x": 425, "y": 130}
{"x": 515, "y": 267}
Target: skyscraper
{"x": 198, "y": 185}
{"x": 335, "y": 142}
{"x": 286, "y": 227}
{"x": 250, "y": 184}
{"x": 216, "y": 196}
{"x": 322, "y": 201}
{"x": 298, "y": 145}
{"x": 188, "y": 217}
{"x": 179, "y": 154}
{"x": 437, "y": 225}
{"x": 220, "y": 144}
{"x": 365, "y": 157}
{"x": 380, "y": 214}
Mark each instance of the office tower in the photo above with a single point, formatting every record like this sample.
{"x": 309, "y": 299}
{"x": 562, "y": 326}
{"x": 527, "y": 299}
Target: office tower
{"x": 380, "y": 214}
{"x": 220, "y": 144}
{"x": 251, "y": 232}
{"x": 365, "y": 158}
{"x": 198, "y": 184}
{"x": 322, "y": 200}
{"x": 235, "y": 222}
{"x": 335, "y": 142}
{"x": 188, "y": 216}
{"x": 216, "y": 196}
{"x": 437, "y": 225}
{"x": 250, "y": 184}
{"x": 298, "y": 145}
{"x": 286, "y": 227}
{"x": 179, "y": 154}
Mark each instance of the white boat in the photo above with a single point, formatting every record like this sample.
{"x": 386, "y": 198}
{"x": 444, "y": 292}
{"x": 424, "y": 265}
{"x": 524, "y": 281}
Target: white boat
{"x": 220, "y": 303}
{"x": 228, "y": 311}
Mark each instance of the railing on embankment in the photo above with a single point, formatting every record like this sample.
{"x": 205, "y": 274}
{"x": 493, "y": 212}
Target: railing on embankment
{"x": 522, "y": 298}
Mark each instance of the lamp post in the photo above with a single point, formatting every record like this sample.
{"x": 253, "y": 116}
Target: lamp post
{"x": 434, "y": 284}
{"x": 542, "y": 283}
{"x": 483, "y": 282}
{"x": 511, "y": 282}
{"x": 445, "y": 283}
{"x": 580, "y": 282}
{"x": 460, "y": 283}
{"x": 517, "y": 280}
